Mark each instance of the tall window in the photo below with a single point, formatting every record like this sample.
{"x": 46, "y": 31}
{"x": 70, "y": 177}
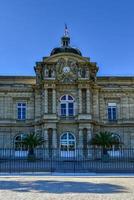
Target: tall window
{"x": 21, "y": 107}
{"x": 67, "y": 106}
{"x": 112, "y": 111}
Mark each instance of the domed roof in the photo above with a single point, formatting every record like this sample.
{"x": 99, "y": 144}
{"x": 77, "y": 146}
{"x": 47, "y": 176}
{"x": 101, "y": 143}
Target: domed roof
{"x": 65, "y": 46}
{"x": 65, "y": 50}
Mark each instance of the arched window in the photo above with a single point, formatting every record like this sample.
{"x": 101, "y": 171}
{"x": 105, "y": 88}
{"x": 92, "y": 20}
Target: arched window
{"x": 67, "y": 142}
{"x": 18, "y": 142}
{"x": 67, "y": 105}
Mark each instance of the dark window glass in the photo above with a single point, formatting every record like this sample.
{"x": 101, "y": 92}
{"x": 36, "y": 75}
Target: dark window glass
{"x": 70, "y": 109}
{"x": 63, "y": 109}
{"x": 21, "y": 111}
{"x": 112, "y": 113}
{"x": 63, "y": 98}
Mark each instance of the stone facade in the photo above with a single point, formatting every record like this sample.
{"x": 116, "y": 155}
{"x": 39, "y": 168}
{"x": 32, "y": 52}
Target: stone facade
{"x": 66, "y": 74}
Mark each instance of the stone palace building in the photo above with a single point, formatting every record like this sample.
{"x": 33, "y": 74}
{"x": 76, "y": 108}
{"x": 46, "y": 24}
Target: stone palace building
{"x": 66, "y": 102}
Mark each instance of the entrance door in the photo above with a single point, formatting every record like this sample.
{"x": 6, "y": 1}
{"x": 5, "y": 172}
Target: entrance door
{"x": 67, "y": 145}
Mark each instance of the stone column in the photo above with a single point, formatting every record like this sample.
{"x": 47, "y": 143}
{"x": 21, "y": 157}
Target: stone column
{"x": 54, "y": 143}
{"x": 37, "y": 104}
{"x": 96, "y": 105}
{"x": 54, "y": 101}
{"x": 54, "y": 139}
{"x": 80, "y": 100}
{"x": 125, "y": 108}
{"x": 80, "y": 144}
{"x": 88, "y": 101}
{"x": 46, "y": 137}
{"x": 46, "y": 101}
{"x": 89, "y": 135}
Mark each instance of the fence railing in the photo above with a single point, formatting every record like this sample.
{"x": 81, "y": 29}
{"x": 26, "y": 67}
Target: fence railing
{"x": 73, "y": 160}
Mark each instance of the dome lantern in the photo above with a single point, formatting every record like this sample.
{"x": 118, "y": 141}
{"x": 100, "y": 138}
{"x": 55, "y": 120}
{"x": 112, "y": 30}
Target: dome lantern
{"x": 65, "y": 45}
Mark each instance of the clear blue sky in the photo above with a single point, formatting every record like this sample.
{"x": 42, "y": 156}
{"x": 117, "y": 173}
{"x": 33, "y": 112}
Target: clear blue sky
{"x": 102, "y": 29}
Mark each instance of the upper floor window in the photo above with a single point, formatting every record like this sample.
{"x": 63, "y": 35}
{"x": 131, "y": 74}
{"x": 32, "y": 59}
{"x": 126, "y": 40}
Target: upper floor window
{"x": 112, "y": 111}
{"x": 67, "y": 105}
{"x": 21, "y": 111}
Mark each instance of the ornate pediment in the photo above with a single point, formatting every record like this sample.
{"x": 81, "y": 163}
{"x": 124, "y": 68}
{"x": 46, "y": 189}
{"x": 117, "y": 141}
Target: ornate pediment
{"x": 65, "y": 70}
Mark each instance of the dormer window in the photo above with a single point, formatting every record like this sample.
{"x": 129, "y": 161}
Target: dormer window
{"x": 83, "y": 73}
{"x": 50, "y": 73}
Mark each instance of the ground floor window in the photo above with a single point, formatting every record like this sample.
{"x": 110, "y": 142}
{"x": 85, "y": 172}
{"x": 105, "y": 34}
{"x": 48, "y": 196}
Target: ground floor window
{"x": 18, "y": 142}
{"x": 67, "y": 144}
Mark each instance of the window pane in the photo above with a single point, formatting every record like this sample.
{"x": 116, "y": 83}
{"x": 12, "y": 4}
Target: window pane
{"x": 63, "y": 109}
{"x": 71, "y": 136}
{"x": 109, "y": 113}
{"x": 21, "y": 112}
{"x": 64, "y": 97}
{"x": 70, "y": 98}
{"x": 71, "y": 110}
{"x": 70, "y": 105}
{"x": 64, "y": 136}
{"x": 114, "y": 113}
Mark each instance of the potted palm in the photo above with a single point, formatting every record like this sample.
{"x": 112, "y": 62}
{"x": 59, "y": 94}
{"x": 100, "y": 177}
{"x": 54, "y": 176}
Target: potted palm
{"x": 104, "y": 140}
{"x": 31, "y": 141}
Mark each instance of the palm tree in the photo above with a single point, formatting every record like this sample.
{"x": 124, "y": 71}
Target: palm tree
{"x": 104, "y": 140}
{"x": 31, "y": 141}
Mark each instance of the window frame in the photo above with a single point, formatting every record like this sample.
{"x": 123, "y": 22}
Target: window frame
{"x": 112, "y": 117}
{"x": 69, "y": 106}
{"x": 22, "y": 109}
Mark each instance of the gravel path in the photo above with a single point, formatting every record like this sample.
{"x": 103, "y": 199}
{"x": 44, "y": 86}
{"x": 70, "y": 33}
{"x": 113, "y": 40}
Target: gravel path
{"x": 69, "y": 188}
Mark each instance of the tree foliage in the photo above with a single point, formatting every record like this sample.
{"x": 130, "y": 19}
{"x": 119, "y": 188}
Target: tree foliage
{"x": 104, "y": 140}
{"x": 31, "y": 141}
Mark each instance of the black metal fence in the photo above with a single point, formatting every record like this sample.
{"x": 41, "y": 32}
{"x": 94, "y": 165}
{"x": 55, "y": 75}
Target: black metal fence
{"x": 73, "y": 161}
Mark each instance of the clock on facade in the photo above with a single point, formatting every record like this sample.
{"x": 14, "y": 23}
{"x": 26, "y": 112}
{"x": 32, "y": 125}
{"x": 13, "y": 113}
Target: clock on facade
{"x": 66, "y": 69}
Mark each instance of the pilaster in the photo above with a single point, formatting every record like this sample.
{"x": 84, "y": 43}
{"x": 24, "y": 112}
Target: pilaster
{"x": 54, "y": 101}
{"x": 80, "y": 100}
{"x": 46, "y": 101}
{"x": 88, "y": 101}
{"x": 46, "y": 137}
{"x": 54, "y": 139}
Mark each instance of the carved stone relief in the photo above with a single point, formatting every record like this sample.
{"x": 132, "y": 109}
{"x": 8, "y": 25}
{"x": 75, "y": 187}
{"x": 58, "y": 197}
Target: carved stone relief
{"x": 66, "y": 70}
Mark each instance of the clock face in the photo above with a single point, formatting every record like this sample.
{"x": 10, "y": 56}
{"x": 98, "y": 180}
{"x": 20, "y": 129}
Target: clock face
{"x": 66, "y": 69}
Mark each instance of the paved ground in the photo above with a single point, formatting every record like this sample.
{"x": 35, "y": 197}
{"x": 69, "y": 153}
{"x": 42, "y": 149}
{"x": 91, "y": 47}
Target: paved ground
{"x": 69, "y": 188}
